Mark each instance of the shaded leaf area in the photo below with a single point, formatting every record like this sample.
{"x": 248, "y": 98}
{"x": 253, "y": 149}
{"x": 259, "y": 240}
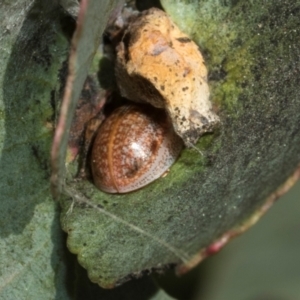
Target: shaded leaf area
{"x": 82, "y": 288}
{"x": 34, "y": 45}
{"x": 252, "y": 51}
{"x": 92, "y": 19}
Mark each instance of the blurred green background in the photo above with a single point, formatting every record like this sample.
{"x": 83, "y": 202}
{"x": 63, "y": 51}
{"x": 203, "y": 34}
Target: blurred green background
{"x": 262, "y": 264}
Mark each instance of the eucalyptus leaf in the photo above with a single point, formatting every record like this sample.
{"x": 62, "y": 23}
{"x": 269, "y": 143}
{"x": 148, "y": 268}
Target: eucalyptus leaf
{"x": 252, "y": 52}
{"x": 34, "y": 45}
{"x": 143, "y": 289}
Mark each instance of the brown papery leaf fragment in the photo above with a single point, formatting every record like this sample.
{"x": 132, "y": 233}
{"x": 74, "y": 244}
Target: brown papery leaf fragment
{"x": 160, "y": 65}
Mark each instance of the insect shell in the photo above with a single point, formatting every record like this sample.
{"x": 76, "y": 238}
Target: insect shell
{"x": 134, "y": 146}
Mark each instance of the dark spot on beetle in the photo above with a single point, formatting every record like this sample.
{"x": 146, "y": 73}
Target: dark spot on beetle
{"x": 133, "y": 169}
{"x": 154, "y": 147}
{"x": 92, "y": 232}
{"x": 155, "y": 78}
{"x": 184, "y": 40}
{"x": 185, "y": 88}
{"x": 162, "y": 87}
{"x": 84, "y": 244}
{"x": 98, "y": 173}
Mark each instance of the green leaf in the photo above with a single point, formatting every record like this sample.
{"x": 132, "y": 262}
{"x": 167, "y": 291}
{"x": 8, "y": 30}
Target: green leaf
{"x": 252, "y": 51}
{"x": 143, "y": 289}
{"x": 33, "y": 48}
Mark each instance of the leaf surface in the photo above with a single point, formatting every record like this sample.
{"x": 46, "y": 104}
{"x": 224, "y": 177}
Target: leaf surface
{"x": 252, "y": 52}
{"x": 33, "y": 49}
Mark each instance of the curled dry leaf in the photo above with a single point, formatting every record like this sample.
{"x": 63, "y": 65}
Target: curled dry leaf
{"x": 160, "y": 65}
{"x": 87, "y": 116}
